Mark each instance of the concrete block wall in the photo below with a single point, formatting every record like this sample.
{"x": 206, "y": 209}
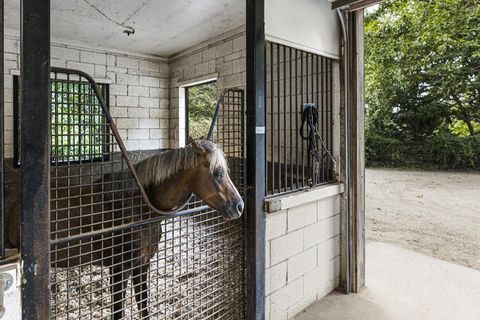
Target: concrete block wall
{"x": 139, "y": 92}
{"x": 302, "y": 253}
{"x": 222, "y": 58}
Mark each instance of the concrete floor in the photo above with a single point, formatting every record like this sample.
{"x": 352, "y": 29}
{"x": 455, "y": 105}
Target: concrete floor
{"x": 404, "y": 285}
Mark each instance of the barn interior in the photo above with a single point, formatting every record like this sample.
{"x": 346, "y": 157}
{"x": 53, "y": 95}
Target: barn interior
{"x": 152, "y": 62}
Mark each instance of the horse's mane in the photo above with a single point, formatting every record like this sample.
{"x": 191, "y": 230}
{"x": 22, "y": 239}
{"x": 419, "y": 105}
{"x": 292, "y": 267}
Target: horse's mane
{"x": 159, "y": 167}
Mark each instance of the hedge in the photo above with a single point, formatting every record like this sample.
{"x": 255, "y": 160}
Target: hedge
{"x": 441, "y": 151}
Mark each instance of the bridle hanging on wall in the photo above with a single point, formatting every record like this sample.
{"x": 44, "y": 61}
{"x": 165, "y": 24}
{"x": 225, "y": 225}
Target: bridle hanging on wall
{"x": 315, "y": 145}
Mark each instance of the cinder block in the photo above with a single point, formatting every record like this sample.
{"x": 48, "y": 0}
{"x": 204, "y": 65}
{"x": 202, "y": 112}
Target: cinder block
{"x": 302, "y": 216}
{"x": 326, "y": 208}
{"x": 127, "y": 101}
{"x": 119, "y": 112}
{"x": 158, "y": 134}
{"x": 127, "y": 62}
{"x": 127, "y": 123}
{"x": 209, "y": 54}
{"x": 100, "y": 71}
{"x": 149, "y": 102}
{"x": 11, "y": 45}
{"x": 316, "y": 278}
{"x": 148, "y": 81}
{"x": 286, "y": 246}
{"x": 118, "y": 89}
{"x": 224, "y": 49}
{"x": 275, "y": 278}
{"x": 63, "y": 53}
{"x": 132, "y": 145}
{"x": 318, "y": 232}
{"x": 276, "y": 225}
{"x": 93, "y": 57}
{"x": 233, "y": 56}
{"x": 302, "y": 263}
{"x": 234, "y": 80}
{"x": 224, "y": 69}
{"x": 201, "y": 69}
{"x": 267, "y": 254}
{"x": 138, "y": 113}
{"x": 149, "y": 144}
{"x": 59, "y": 63}
{"x": 85, "y": 67}
{"x": 239, "y": 43}
{"x": 128, "y": 79}
{"x": 285, "y": 297}
{"x": 328, "y": 249}
{"x": 148, "y": 123}
{"x": 239, "y": 65}
{"x": 138, "y": 134}
{"x": 149, "y": 65}
{"x": 138, "y": 91}
{"x": 159, "y": 113}
{"x": 301, "y": 305}
{"x": 111, "y": 60}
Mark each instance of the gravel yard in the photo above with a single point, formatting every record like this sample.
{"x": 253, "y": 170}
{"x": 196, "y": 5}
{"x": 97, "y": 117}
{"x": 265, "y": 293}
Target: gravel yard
{"x": 430, "y": 212}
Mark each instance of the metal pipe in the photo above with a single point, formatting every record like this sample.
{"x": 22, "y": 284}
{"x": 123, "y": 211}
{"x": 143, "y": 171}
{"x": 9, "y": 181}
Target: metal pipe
{"x": 347, "y": 153}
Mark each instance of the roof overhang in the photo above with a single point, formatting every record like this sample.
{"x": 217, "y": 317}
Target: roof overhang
{"x": 353, "y": 5}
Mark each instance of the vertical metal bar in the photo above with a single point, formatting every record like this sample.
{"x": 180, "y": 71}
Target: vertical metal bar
{"x": 284, "y": 144}
{"x": 292, "y": 132}
{"x": 35, "y": 151}
{"x": 319, "y": 114}
{"x": 272, "y": 121}
{"x": 322, "y": 114}
{"x": 255, "y": 216}
{"x": 2, "y": 139}
{"x": 301, "y": 106}
{"x": 330, "y": 119}
{"x": 279, "y": 168}
{"x": 296, "y": 119}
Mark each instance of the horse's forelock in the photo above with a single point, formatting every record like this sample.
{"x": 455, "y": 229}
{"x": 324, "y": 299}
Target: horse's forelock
{"x": 154, "y": 170}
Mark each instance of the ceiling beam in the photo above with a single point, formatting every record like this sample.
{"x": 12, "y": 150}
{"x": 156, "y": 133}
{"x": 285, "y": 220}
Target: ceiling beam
{"x": 353, "y": 5}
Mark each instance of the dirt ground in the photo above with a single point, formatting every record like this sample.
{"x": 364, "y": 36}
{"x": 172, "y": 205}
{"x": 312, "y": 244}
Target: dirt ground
{"x": 434, "y": 213}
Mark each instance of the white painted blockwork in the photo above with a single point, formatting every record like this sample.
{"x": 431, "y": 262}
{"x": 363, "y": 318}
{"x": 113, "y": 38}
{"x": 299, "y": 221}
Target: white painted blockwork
{"x": 302, "y": 251}
{"x": 309, "y": 25}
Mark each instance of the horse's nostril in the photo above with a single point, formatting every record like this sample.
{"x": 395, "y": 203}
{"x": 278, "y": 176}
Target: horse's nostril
{"x": 240, "y": 207}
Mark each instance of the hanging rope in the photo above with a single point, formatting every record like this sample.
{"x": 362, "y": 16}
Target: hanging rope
{"x": 315, "y": 144}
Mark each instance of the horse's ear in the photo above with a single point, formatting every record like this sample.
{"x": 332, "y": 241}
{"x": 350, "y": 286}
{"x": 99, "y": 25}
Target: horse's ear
{"x": 199, "y": 149}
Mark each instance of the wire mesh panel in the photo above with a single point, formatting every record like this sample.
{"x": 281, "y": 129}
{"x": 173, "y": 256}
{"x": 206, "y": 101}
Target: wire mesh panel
{"x": 294, "y": 79}
{"x": 111, "y": 255}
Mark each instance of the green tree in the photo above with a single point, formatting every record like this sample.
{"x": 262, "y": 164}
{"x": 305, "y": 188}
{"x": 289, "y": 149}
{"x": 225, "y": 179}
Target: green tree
{"x": 422, "y": 65}
{"x": 202, "y": 100}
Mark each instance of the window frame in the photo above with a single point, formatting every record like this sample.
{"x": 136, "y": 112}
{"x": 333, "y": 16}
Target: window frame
{"x": 17, "y": 118}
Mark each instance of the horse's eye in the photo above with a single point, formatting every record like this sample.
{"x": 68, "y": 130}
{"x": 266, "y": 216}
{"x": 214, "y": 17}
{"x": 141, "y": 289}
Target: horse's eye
{"x": 218, "y": 175}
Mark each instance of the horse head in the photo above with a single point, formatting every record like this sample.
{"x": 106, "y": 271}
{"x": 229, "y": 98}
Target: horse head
{"x": 211, "y": 180}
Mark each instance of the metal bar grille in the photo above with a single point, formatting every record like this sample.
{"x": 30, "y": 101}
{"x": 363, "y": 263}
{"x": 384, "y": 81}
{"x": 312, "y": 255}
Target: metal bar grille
{"x": 111, "y": 255}
{"x": 294, "y": 78}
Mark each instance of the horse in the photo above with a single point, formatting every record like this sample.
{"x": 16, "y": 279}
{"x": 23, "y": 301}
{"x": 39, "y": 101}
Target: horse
{"x": 168, "y": 178}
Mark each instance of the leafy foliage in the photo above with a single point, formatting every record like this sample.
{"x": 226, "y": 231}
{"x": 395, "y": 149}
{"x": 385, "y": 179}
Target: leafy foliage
{"x": 422, "y": 64}
{"x": 202, "y": 100}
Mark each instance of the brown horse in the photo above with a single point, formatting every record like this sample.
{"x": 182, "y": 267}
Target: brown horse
{"x": 110, "y": 202}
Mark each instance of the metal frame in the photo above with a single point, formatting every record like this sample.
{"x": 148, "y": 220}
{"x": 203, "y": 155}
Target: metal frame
{"x": 255, "y": 159}
{"x": 35, "y": 150}
{"x": 2, "y": 139}
{"x": 35, "y": 156}
{"x": 301, "y": 78}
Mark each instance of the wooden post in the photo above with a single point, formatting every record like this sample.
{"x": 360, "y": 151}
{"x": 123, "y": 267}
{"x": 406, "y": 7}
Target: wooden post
{"x": 35, "y": 158}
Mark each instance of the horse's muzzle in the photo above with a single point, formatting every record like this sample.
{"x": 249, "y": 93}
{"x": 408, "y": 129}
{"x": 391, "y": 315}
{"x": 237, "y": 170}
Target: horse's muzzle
{"x": 234, "y": 210}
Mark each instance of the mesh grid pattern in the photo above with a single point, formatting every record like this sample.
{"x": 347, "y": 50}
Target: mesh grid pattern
{"x": 108, "y": 248}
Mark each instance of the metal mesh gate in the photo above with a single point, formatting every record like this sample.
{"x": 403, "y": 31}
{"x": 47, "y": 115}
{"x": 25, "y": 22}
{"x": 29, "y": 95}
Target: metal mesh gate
{"x": 109, "y": 251}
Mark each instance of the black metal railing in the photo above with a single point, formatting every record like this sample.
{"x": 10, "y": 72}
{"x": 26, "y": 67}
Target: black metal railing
{"x": 295, "y": 80}
{"x": 186, "y": 265}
